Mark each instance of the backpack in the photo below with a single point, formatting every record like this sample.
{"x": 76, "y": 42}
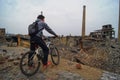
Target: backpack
{"x": 33, "y": 28}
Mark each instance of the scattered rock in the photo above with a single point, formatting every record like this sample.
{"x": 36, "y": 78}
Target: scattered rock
{"x": 4, "y": 50}
{"x": 112, "y": 46}
{"x": 78, "y": 66}
{"x": 7, "y": 57}
{"x": 18, "y": 58}
{"x": 2, "y": 62}
{"x": 10, "y": 59}
{"x": 68, "y": 76}
{"x": 110, "y": 76}
{"x": 22, "y": 53}
{"x": 16, "y": 62}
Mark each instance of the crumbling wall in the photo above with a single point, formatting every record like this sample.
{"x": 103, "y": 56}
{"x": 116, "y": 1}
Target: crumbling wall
{"x": 2, "y": 34}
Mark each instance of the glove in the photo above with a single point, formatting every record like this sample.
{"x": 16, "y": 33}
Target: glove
{"x": 56, "y": 35}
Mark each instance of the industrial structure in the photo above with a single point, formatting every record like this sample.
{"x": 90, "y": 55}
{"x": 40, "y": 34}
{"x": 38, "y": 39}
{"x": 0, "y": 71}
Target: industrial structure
{"x": 2, "y": 31}
{"x": 106, "y": 32}
{"x": 2, "y": 34}
{"x": 83, "y": 21}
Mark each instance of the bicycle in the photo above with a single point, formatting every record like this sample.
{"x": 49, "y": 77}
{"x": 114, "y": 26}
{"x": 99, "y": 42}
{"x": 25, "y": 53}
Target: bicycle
{"x": 37, "y": 57}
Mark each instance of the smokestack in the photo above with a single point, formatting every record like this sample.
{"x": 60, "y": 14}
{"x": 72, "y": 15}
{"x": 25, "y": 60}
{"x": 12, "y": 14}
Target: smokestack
{"x": 119, "y": 24}
{"x": 83, "y": 21}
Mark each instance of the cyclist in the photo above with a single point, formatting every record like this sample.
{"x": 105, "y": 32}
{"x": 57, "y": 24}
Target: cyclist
{"x": 37, "y": 38}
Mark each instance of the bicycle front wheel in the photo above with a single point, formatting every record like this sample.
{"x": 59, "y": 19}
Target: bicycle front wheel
{"x": 55, "y": 55}
{"x": 25, "y": 68}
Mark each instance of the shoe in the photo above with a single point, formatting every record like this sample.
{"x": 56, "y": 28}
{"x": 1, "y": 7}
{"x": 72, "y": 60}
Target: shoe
{"x": 46, "y": 66}
{"x": 48, "y": 63}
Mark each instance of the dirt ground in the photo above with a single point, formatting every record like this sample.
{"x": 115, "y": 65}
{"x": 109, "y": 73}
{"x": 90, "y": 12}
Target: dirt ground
{"x": 9, "y": 69}
{"x": 86, "y": 72}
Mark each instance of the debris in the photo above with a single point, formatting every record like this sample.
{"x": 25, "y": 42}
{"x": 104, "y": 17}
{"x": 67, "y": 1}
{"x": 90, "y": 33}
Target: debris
{"x": 78, "y": 66}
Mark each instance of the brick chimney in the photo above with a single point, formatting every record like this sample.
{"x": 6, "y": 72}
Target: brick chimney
{"x": 83, "y": 21}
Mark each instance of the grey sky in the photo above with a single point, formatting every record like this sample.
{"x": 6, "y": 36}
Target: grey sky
{"x": 63, "y": 16}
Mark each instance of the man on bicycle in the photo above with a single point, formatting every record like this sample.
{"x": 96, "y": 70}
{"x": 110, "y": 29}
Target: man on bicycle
{"x": 37, "y": 39}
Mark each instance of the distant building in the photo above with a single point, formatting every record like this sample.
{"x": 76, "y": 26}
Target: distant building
{"x": 2, "y": 34}
{"x": 2, "y": 31}
{"x": 106, "y": 32}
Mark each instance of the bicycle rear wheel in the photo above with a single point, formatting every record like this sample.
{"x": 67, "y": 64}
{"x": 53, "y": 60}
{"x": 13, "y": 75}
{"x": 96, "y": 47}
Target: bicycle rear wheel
{"x": 29, "y": 70}
{"x": 55, "y": 55}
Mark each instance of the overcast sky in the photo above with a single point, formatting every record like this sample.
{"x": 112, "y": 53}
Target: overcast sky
{"x": 63, "y": 16}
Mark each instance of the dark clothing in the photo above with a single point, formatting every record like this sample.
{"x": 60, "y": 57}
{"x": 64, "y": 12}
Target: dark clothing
{"x": 39, "y": 41}
{"x": 42, "y": 44}
{"x": 41, "y": 26}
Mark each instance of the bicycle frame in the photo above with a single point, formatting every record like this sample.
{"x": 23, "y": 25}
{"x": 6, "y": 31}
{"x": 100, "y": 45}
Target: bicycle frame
{"x": 38, "y": 50}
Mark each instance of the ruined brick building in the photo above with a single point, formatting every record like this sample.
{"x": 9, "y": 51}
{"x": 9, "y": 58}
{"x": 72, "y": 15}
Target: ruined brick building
{"x": 106, "y": 32}
{"x": 2, "y": 34}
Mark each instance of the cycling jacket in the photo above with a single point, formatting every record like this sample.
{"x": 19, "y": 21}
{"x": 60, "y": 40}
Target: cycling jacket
{"x": 41, "y": 26}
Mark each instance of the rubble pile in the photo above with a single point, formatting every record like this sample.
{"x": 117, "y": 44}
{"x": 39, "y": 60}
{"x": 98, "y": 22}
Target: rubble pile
{"x": 113, "y": 61}
{"x": 103, "y": 55}
{"x": 106, "y": 55}
{"x": 10, "y": 57}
